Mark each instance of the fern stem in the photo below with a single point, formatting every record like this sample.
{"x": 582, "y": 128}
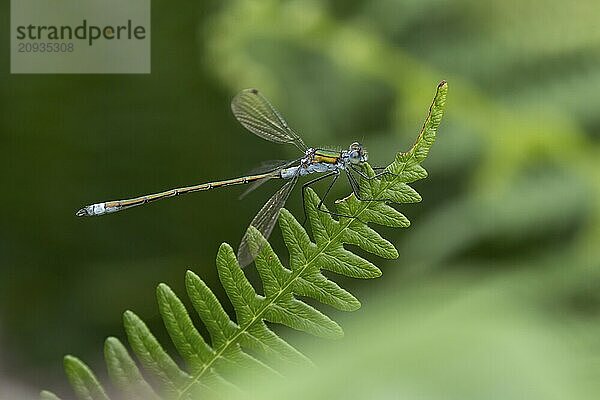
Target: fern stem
{"x": 386, "y": 185}
{"x": 284, "y": 290}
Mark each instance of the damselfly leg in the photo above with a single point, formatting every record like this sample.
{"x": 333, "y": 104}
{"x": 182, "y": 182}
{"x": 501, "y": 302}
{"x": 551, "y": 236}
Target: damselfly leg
{"x": 335, "y": 175}
{"x": 356, "y": 188}
{"x": 259, "y": 116}
{"x": 377, "y": 175}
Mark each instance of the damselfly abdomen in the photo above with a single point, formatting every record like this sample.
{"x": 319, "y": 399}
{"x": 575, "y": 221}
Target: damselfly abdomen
{"x": 257, "y": 115}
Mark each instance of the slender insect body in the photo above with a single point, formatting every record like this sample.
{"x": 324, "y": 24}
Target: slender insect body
{"x": 118, "y": 205}
{"x": 97, "y": 209}
{"x": 256, "y": 114}
{"x": 300, "y": 170}
{"x": 326, "y": 156}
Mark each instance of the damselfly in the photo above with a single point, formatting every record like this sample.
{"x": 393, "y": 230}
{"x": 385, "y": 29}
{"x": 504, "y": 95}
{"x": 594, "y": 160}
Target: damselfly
{"x": 257, "y": 115}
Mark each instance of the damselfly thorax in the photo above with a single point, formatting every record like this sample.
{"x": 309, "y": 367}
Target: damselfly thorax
{"x": 316, "y": 161}
{"x": 257, "y": 115}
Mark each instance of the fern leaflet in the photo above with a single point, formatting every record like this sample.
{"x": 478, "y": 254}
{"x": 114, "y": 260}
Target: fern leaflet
{"x": 247, "y": 342}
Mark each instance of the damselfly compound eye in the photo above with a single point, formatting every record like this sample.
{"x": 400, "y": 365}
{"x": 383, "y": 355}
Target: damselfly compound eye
{"x": 355, "y": 146}
{"x": 259, "y": 116}
{"x": 354, "y": 157}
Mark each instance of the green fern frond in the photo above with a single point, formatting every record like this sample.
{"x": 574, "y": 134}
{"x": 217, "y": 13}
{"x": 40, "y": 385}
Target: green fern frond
{"x": 46, "y": 395}
{"x": 247, "y": 342}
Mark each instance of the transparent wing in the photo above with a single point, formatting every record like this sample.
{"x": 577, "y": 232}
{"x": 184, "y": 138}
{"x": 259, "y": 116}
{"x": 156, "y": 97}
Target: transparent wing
{"x": 253, "y": 186}
{"x": 264, "y": 167}
{"x": 257, "y": 115}
{"x": 270, "y": 165}
{"x": 265, "y": 221}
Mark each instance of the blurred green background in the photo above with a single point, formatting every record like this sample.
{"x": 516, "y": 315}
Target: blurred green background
{"x": 497, "y": 289}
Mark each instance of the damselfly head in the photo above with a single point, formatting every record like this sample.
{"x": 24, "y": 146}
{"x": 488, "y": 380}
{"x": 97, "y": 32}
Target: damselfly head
{"x": 357, "y": 154}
